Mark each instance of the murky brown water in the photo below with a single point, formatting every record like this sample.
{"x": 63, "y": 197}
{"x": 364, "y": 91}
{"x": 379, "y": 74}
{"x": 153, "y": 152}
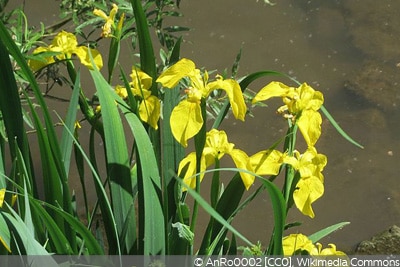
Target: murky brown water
{"x": 315, "y": 42}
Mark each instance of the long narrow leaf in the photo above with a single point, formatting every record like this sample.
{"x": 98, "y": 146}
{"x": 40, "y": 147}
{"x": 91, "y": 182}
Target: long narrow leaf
{"x": 53, "y": 169}
{"x": 108, "y": 218}
{"x": 117, "y": 154}
{"x": 278, "y": 206}
{"x": 147, "y": 57}
{"x": 227, "y": 204}
{"x": 339, "y": 129}
{"x": 10, "y": 104}
{"x": 326, "y": 231}
{"x": 207, "y": 207}
{"x": 66, "y": 140}
{"x": 91, "y": 243}
{"x": 154, "y": 229}
{"x": 61, "y": 243}
{"x": 30, "y": 245}
{"x": 5, "y": 234}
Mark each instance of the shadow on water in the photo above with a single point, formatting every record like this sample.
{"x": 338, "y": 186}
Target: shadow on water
{"x": 335, "y": 46}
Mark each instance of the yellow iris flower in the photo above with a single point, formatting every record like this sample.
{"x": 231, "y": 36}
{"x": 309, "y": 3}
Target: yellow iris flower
{"x": 109, "y": 20}
{"x": 310, "y": 187}
{"x": 149, "y": 108}
{"x": 266, "y": 162}
{"x": 295, "y": 243}
{"x": 302, "y": 103}
{"x": 186, "y": 119}
{"x": 330, "y": 251}
{"x": 65, "y": 45}
{"x": 216, "y": 147}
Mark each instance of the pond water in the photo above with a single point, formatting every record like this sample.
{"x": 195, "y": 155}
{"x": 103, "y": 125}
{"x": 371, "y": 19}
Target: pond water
{"x": 326, "y": 44}
{"x": 346, "y": 49}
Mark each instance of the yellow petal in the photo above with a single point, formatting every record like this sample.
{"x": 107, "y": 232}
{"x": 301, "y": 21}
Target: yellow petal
{"x": 309, "y": 124}
{"x": 2, "y": 194}
{"x": 109, "y": 20}
{"x": 267, "y": 162}
{"x": 113, "y": 12}
{"x": 171, "y": 76}
{"x": 312, "y": 164}
{"x": 65, "y": 42}
{"x": 83, "y": 55}
{"x": 149, "y": 111}
{"x": 311, "y": 99}
{"x": 241, "y": 160}
{"x": 294, "y": 242}
{"x": 331, "y": 250}
{"x": 273, "y": 89}
{"x": 234, "y": 92}
{"x": 186, "y": 121}
{"x": 308, "y": 190}
{"x": 100, "y": 13}
{"x": 217, "y": 144}
{"x": 121, "y": 91}
{"x": 189, "y": 164}
{"x": 140, "y": 80}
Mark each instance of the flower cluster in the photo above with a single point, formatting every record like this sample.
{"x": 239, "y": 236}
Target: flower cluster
{"x": 111, "y": 28}
{"x": 216, "y": 147}
{"x": 149, "y": 105}
{"x": 63, "y": 46}
{"x": 301, "y": 107}
{"x": 186, "y": 119}
{"x": 109, "y": 20}
{"x": 302, "y": 103}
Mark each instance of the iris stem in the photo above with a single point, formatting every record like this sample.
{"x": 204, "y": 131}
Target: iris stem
{"x": 290, "y": 144}
{"x": 200, "y": 140}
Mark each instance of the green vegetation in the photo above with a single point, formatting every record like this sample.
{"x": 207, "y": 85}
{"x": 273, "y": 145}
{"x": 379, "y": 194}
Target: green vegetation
{"x": 145, "y": 121}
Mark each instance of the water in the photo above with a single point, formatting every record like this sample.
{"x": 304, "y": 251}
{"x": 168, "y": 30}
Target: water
{"x": 324, "y": 43}
{"x": 312, "y": 41}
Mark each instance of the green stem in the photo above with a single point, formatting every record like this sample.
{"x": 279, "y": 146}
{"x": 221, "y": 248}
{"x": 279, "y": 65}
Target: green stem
{"x": 290, "y": 144}
{"x": 200, "y": 140}
{"x": 214, "y": 192}
{"x": 86, "y": 109}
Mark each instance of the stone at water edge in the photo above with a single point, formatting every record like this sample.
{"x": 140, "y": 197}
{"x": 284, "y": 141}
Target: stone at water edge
{"x": 385, "y": 243}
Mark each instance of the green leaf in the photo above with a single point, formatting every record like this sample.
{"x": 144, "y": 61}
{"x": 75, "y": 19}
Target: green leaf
{"x": 339, "y": 129}
{"x": 117, "y": 154}
{"x": 175, "y": 52}
{"x": 5, "y": 235}
{"x": 279, "y": 208}
{"x": 53, "y": 168}
{"x": 147, "y": 57}
{"x": 57, "y": 237}
{"x": 212, "y": 212}
{"x": 91, "y": 243}
{"x": 149, "y": 183}
{"x": 10, "y": 105}
{"x": 106, "y": 210}
{"x": 66, "y": 139}
{"x": 226, "y": 207}
{"x": 28, "y": 242}
{"x": 326, "y": 231}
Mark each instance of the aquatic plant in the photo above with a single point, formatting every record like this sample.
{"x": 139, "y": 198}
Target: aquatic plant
{"x": 145, "y": 124}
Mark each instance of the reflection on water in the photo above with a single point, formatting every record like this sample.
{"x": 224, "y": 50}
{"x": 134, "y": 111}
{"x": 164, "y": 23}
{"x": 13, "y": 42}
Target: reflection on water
{"x": 325, "y": 43}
